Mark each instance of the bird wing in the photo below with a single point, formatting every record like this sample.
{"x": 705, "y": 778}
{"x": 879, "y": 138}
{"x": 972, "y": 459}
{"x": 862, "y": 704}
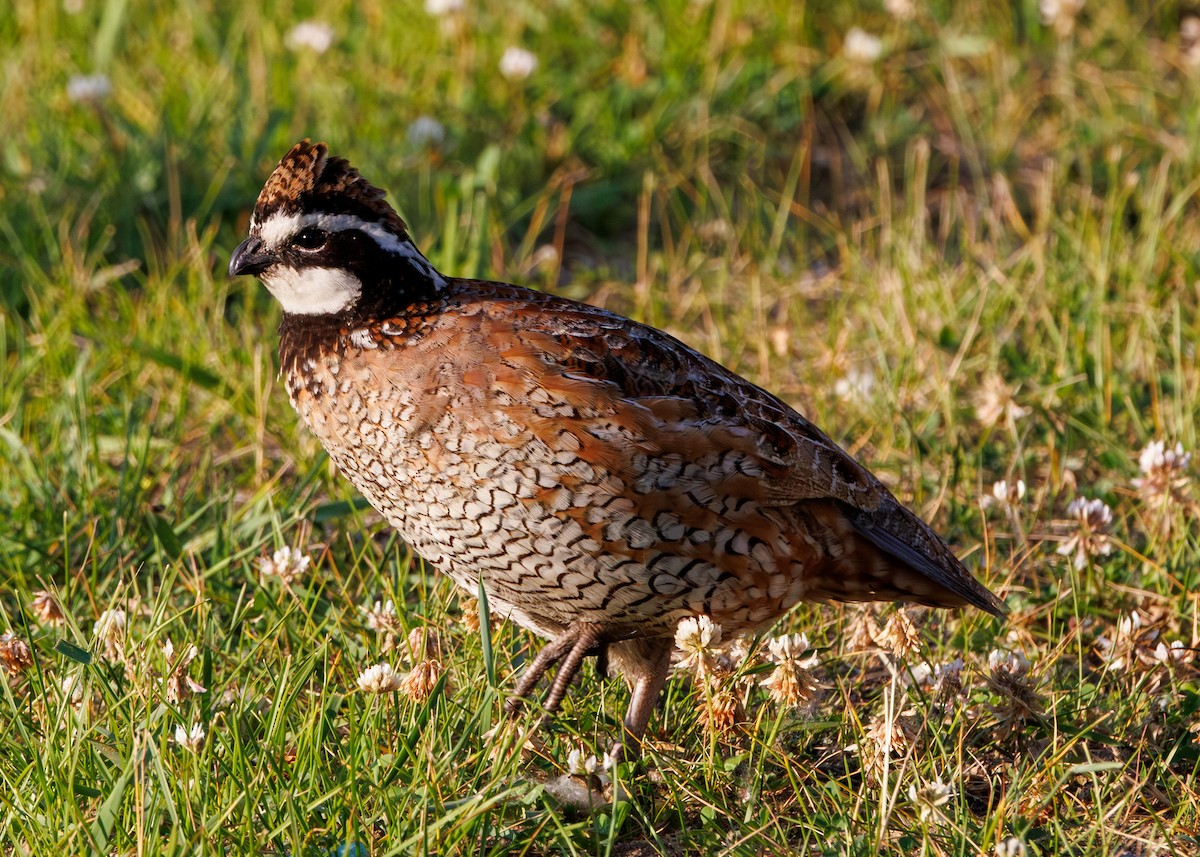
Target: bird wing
{"x": 699, "y": 450}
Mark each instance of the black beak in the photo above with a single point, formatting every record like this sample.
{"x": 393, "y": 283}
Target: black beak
{"x": 249, "y": 258}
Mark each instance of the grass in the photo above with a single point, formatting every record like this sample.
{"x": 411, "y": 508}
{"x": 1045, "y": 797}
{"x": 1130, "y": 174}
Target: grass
{"x": 973, "y": 258}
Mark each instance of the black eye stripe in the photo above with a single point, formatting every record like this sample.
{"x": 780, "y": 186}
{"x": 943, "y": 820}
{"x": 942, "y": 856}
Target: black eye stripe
{"x": 310, "y": 238}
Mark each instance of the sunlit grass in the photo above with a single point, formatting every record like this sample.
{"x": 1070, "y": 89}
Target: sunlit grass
{"x": 971, "y": 259}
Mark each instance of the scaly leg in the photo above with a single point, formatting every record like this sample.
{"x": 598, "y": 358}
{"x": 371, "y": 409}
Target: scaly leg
{"x": 570, "y": 647}
{"x": 645, "y": 664}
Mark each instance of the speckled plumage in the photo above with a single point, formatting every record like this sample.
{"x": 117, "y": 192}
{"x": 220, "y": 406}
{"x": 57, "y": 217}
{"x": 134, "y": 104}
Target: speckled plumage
{"x": 603, "y": 479}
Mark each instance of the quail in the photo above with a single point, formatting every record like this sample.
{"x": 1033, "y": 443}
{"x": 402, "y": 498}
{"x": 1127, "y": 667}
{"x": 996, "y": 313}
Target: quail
{"x": 602, "y": 480}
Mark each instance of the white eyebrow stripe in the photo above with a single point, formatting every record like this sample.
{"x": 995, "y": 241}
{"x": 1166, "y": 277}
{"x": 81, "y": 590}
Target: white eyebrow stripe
{"x": 279, "y": 228}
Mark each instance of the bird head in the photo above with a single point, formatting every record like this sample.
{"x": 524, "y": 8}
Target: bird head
{"x": 324, "y": 240}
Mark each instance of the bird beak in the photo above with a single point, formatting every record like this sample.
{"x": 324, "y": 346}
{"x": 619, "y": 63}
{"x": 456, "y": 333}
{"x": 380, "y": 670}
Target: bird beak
{"x": 249, "y": 258}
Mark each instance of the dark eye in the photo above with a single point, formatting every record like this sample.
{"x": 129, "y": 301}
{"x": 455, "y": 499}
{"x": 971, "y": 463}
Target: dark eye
{"x": 310, "y": 239}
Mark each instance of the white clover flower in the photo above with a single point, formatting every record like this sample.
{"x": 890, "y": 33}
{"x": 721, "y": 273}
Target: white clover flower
{"x": 947, "y": 677}
{"x": 1164, "y": 482}
{"x": 792, "y": 682}
{"x": 1176, "y": 652}
{"x": 287, "y": 564}
{"x": 1090, "y": 539}
{"x": 1157, "y": 457}
{"x": 698, "y": 638}
{"x": 1008, "y": 495}
{"x": 861, "y": 47}
{"x": 1014, "y": 663}
{"x": 190, "y": 739}
{"x": 930, "y": 798}
{"x": 790, "y": 648}
{"x": 88, "y": 88}
{"x": 442, "y": 8}
{"x": 380, "y": 678}
{"x": 945, "y": 680}
{"x": 381, "y": 617}
{"x": 425, "y": 132}
{"x": 517, "y": 63}
{"x": 588, "y": 767}
{"x": 316, "y": 36}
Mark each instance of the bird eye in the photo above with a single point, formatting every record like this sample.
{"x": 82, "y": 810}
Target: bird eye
{"x": 310, "y": 239}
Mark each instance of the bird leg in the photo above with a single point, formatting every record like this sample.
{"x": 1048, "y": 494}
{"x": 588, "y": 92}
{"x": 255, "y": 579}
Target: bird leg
{"x": 570, "y": 648}
{"x": 645, "y": 665}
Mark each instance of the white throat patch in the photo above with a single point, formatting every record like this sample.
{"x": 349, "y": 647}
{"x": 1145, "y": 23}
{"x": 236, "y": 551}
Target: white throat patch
{"x": 312, "y": 291}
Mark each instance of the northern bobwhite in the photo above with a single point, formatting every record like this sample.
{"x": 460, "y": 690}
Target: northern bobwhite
{"x": 601, "y": 478}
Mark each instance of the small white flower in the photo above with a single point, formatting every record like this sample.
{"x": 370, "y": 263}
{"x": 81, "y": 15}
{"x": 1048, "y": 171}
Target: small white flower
{"x": 1010, "y": 847}
{"x": 442, "y": 8}
{"x": 1092, "y": 519}
{"x": 517, "y": 63}
{"x": 1013, "y": 663}
{"x": 316, "y": 36}
{"x": 425, "y": 132}
{"x": 287, "y": 564}
{"x": 190, "y": 739}
{"x": 901, "y": 10}
{"x": 1128, "y": 626}
{"x": 380, "y": 678}
{"x": 698, "y": 638}
{"x": 1171, "y": 654}
{"x": 1165, "y": 482}
{"x": 792, "y": 683}
{"x": 861, "y": 47}
{"x": 952, "y": 671}
{"x": 1008, "y": 495}
{"x": 587, "y": 767}
{"x": 88, "y": 88}
{"x": 791, "y": 648}
{"x": 381, "y": 617}
{"x": 1156, "y": 456}
{"x": 930, "y": 797}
